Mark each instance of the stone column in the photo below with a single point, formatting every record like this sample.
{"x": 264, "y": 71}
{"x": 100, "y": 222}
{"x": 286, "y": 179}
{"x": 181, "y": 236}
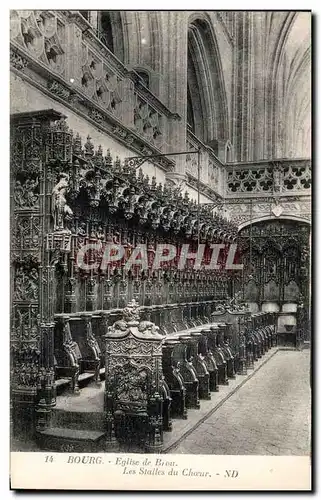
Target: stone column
{"x": 176, "y": 71}
{"x": 32, "y": 361}
{"x": 74, "y": 54}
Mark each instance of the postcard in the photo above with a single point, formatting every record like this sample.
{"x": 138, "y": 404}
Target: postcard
{"x": 160, "y": 226}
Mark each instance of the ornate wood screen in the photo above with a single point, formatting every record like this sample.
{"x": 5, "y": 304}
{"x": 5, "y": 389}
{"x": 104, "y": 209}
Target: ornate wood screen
{"x": 64, "y": 197}
{"x": 276, "y": 265}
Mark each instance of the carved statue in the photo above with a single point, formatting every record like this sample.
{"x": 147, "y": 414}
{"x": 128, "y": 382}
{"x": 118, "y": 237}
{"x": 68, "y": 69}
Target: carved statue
{"x": 82, "y": 230}
{"x": 30, "y": 195}
{"x": 18, "y": 194}
{"x": 25, "y": 195}
{"x": 130, "y": 312}
{"x": 237, "y": 304}
{"x": 32, "y": 287}
{"x": 100, "y": 234}
{"x": 60, "y": 207}
{"x": 148, "y": 327}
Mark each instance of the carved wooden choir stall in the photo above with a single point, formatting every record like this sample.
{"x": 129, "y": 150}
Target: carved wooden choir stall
{"x": 163, "y": 339}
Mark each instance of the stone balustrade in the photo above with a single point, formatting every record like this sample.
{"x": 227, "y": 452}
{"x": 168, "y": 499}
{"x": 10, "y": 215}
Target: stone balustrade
{"x": 211, "y": 175}
{"x": 60, "y": 53}
{"x": 277, "y": 177}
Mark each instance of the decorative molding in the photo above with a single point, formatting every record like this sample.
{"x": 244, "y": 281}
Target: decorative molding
{"x": 242, "y": 211}
{"x": 17, "y": 61}
{"x": 275, "y": 177}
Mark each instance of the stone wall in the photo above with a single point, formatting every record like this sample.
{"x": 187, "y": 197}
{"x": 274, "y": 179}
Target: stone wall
{"x": 25, "y": 97}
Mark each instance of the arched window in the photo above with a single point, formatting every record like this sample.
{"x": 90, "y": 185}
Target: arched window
{"x": 106, "y": 30}
{"x": 110, "y": 32}
{"x": 190, "y": 112}
{"x": 194, "y": 100}
{"x": 207, "y": 112}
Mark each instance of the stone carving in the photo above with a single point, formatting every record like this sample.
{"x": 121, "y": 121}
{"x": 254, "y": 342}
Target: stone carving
{"x": 17, "y": 61}
{"x": 131, "y": 383}
{"x": 297, "y": 177}
{"x": 241, "y": 210}
{"x": 95, "y": 115}
{"x": 60, "y": 208}
{"x": 276, "y": 258}
{"x": 41, "y": 34}
{"x": 148, "y": 122}
{"x": 131, "y": 324}
{"x": 273, "y": 177}
{"x": 25, "y": 325}
{"x": 237, "y": 304}
{"x": 26, "y": 285}
{"x": 26, "y": 195}
{"x": 277, "y": 176}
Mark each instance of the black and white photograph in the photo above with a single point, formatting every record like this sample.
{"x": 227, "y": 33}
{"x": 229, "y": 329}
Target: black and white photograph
{"x": 160, "y": 243}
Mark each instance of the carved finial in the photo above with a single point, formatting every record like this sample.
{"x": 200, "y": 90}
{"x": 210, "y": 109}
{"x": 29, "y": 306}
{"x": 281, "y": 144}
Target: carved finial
{"x": 131, "y": 312}
{"x": 126, "y": 167}
{"x": 98, "y": 158}
{"x": 89, "y": 148}
{"x": 108, "y": 160}
{"x": 77, "y": 149}
{"x": 61, "y": 126}
{"x": 140, "y": 176}
{"x": 117, "y": 165}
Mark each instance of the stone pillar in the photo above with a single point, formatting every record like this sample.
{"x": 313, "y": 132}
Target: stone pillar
{"x": 32, "y": 362}
{"x": 93, "y": 18}
{"x": 74, "y": 54}
{"x": 176, "y": 71}
{"x": 243, "y": 93}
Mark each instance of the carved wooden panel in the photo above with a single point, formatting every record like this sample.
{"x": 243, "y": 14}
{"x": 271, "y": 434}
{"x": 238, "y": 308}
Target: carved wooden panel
{"x": 276, "y": 258}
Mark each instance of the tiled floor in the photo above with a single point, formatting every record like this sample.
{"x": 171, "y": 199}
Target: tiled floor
{"x": 266, "y": 412}
{"x": 269, "y": 415}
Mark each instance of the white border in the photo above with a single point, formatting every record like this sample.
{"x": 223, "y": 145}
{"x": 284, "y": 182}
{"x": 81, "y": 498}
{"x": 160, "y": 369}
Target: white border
{"x": 4, "y": 184}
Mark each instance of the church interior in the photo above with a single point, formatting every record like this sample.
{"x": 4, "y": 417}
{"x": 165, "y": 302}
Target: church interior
{"x": 154, "y": 130}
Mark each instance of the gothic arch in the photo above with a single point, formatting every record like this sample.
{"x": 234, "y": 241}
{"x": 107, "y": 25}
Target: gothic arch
{"x": 144, "y": 39}
{"x": 205, "y": 81}
{"x": 288, "y": 84}
{"x": 267, "y": 218}
{"x": 114, "y": 33}
{"x": 156, "y": 41}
